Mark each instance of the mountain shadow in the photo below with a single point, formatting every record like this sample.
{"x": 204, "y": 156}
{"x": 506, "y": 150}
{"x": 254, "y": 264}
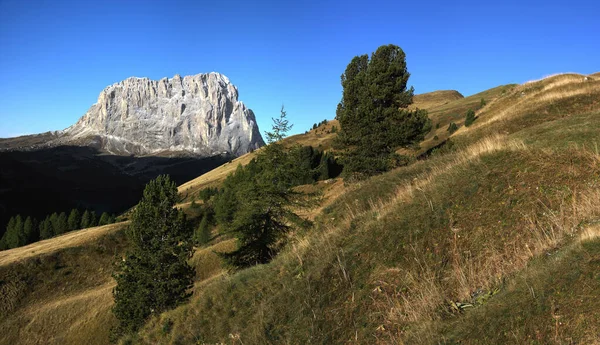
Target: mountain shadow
{"x": 38, "y": 182}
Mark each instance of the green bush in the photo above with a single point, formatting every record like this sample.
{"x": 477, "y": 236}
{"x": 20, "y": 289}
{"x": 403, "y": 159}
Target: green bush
{"x": 470, "y": 118}
{"x": 452, "y": 127}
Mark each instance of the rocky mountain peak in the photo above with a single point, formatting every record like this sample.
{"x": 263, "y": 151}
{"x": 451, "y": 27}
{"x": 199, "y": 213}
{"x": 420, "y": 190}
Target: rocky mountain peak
{"x": 198, "y": 114}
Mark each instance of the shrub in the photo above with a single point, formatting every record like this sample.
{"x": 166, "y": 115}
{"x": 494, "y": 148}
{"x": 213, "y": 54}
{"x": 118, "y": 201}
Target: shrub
{"x": 470, "y": 118}
{"x": 452, "y": 127}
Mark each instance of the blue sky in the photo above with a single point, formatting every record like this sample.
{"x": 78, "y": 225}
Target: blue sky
{"x": 56, "y": 56}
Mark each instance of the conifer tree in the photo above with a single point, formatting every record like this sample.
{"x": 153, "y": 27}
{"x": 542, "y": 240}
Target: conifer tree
{"x": 470, "y": 118}
{"x": 60, "y": 226}
{"x": 263, "y": 202}
{"x": 373, "y": 115}
{"x": 30, "y": 233}
{"x": 4, "y": 242}
{"x": 104, "y": 219}
{"x": 452, "y": 127}
{"x": 46, "y": 228}
{"x": 54, "y": 223}
{"x": 154, "y": 276}
{"x": 14, "y": 235}
{"x": 93, "y": 218}
{"x": 202, "y": 232}
{"x": 85, "y": 219}
{"x": 17, "y": 239}
{"x": 74, "y": 220}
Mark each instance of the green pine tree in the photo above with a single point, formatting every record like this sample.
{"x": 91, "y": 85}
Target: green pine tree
{"x": 154, "y": 276}
{"x": 281, "y": 127}
{"x": 373, "y": 115}
{"x": 104, "y": 219}
{"x": 469, "y": 118}
{"x": 30, "y": 232}
{"x": 4, "y": 242}
{"x": 263, "y": 202}
{"x": 93, "y": 219}
{"x": 15, "y": 237}
{"x": 452, "y": 127}
{"x": 46, "y": 228}
{"x": 61, "y": 226}
{"x": 86, "y": 219}
{"x": 202, "y": 233}
{"x": 54, "y": 224}
{"x": 74, "y": 220}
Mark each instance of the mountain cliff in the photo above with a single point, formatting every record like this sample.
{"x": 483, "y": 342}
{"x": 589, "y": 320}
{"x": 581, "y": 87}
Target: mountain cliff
{"x": 198, "y": 114}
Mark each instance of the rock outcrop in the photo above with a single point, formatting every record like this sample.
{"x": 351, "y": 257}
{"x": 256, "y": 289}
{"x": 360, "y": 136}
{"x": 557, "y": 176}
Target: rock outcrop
{"x": 197, "y": 114}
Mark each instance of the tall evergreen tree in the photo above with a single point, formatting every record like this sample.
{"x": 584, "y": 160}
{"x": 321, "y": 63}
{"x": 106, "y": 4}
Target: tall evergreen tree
{"x": 74, "y": 220}
{"x": 470, "y": 118}
{"x": 61, "y": 224}
{"x": 18, "y": 239}
{"x": 86, "y": 219}
{"x": 8, "y": 233}
{"x": 154, "y": 276}
{"x": 93, "y": 218}
{"x": 280, "y": 128}
{"x": 104, "y": 219}
{"x": 54, "y": 224}
{"x": 29, "y": 234}
{"x": 46, "y": 228}
{"x": 202, "y": 232}
{"x": 263, "y": 202}
{"x": 373, "y": 113}
{"x": 14, "y": 235}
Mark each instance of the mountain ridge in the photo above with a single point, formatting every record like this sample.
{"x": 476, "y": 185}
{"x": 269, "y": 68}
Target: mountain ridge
{"x": 192, "y": 115}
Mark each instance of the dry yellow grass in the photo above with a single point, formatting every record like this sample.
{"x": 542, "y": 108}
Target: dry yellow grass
{"x": 70, "y": 239}
{"x": 207, "y": 263}
{"x": 434, "y": 99}
{"x": 424, "y": 293}
{"x": 454, "y": 111}
{"x": 82, "y": 318}
{"x": 589, "y": 233}
{"x": 533, "y": 95}
{"x": 329, "y": 191}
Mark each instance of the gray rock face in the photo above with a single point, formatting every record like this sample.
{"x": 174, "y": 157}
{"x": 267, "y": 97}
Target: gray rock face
{"x": 197, "y": 114}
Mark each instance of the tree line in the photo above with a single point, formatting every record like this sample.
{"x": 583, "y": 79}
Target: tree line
{"x": 20, "y": 232}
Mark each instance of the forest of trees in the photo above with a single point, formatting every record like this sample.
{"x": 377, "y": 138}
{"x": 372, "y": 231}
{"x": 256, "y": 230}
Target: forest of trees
{"x": 20, "y": 232}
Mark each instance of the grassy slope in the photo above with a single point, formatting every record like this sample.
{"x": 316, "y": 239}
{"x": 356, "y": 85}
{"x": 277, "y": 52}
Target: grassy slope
{"x": 321, "y": 138}
{"x": 434, "y": 99}
{"x": 397, "y": 258}
{"x": 62, "y": 295}
{"x": 59, "y": 291}
{"x": 353, "y": 278}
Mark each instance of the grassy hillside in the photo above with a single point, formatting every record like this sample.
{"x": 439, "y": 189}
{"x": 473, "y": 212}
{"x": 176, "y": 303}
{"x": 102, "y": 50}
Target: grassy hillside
{"x": 494, "y": 240}
{"x": 425, "y": 252}
{"x": 435, "y": 99}
{"x": 321, "y": 138}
